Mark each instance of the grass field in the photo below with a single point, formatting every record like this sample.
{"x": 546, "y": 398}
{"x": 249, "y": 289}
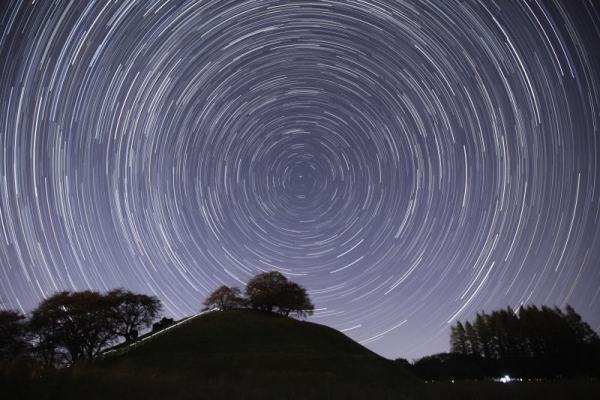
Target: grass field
{"x": 545, "y": 390}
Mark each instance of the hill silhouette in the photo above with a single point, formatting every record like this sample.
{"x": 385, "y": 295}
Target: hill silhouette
{"x": 261, "y": 355}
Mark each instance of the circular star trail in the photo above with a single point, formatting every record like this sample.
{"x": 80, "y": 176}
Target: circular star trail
{"x": 409, "y": 162}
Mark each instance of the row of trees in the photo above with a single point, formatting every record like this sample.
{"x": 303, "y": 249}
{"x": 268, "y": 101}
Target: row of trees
{"x": 69, "y": 327}
{"x": 535, "y": 342}
{"x": 269, "y": 291}
{"x": 532, "y": 332}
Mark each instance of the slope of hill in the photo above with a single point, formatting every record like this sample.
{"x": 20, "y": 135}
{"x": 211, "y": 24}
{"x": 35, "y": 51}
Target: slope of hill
{"x": 261, "y": 355}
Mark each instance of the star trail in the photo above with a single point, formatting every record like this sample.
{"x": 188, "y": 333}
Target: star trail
{"x": 409, "y": 162}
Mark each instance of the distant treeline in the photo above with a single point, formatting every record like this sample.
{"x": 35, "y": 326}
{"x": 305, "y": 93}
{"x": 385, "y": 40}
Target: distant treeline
{"x": 533, "y": 343}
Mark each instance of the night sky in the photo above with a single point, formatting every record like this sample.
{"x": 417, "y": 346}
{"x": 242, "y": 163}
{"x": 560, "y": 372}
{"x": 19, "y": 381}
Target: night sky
{"x": 409, "y": 162}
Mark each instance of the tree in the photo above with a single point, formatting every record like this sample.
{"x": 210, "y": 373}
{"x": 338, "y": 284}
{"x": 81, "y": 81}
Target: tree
{"x": 584, "y": 334}
{"x": 484, "y": 335}
{"x": 295, "y": 300}
{"x": 264, "y": 291}
{"x": 13, "y": 334}
{"x": 162, "y": 324}
{"x": 273, "y": 292}
{"x": 73, "y": 326}
{"x": 403, "y": 362}
{"x": 458, "y": 339}
{"x": 132, "y": 312}
{"x": 224, "y": 298}
{"x": 472, "y": 343}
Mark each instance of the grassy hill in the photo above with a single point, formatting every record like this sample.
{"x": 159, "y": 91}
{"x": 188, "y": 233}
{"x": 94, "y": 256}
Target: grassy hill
{"x": 242, "y": 355}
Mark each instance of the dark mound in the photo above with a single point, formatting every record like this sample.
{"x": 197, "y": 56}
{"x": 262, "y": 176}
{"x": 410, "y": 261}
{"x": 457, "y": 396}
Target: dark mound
{"x": 249, "y": 343}
{"x": 262, "y": 355}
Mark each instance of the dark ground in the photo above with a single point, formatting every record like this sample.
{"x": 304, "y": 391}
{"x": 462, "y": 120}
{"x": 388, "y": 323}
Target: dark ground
{"x": 253, "y": 355}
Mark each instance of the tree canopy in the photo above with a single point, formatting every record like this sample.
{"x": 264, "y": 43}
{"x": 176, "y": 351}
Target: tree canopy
{"x": 295, "y": 300}
{"x": 73, "y": 326}
{"x": 540, "y": 341}
{"x": 532, "y": 332}
{"x": 162, "y": 324}
{"x": 273, "y": 292}
{"x": 224, "y": 298}
{"x": 13, "y": 334}
{"x": 132, "y": 312}
{"x": 69, "y": 327}
{"x": 268, "y": 291}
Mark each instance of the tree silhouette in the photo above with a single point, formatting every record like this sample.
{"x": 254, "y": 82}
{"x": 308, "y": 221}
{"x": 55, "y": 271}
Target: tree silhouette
{"x": 472, "y": 341}
{"x": 273, "y": 292}
{"x": 295, "y": 300}
{"x": 73, "y": 326}
{"x": 458, "y": 339}
{"x": 265, "y": 291}
{"x": 132, "y": 312}
{"x": 162, "y": 324}
{"x": 484, "y": 335}
{"x": 224, "y": 298}
{"x": 13, "y": 334}
{"x": 538, "y": 341}
{"x": 584, "y": 334}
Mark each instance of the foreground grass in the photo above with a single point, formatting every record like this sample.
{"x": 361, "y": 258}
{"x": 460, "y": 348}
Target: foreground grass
{"x": 91, "y": 387}
{"x": 543, "y": 390}
{"x": 92, "y": 384}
